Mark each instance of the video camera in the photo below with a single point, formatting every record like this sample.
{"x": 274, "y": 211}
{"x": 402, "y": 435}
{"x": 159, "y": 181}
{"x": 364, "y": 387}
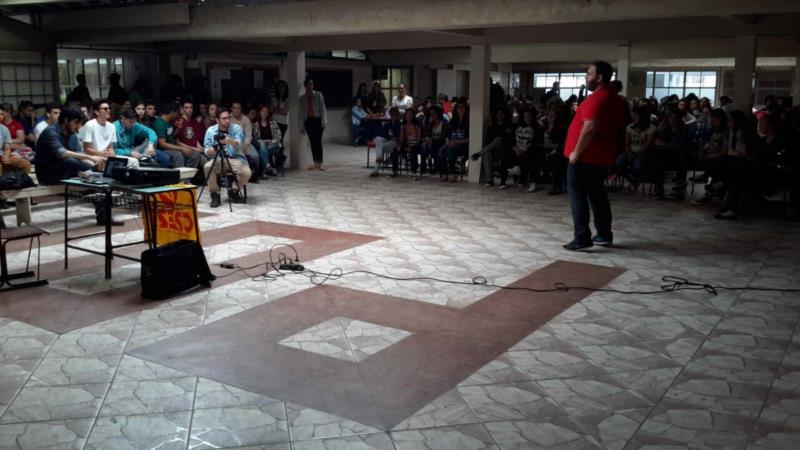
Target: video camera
{"x": 220, "y": 136}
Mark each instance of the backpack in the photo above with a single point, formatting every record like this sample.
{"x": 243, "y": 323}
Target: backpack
{"x": 15, "y": 181}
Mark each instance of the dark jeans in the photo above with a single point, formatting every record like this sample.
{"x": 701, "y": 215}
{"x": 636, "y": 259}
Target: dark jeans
{"x": 449, "y": 154}
{"x": 633, "y": 169}
{"x": 430, "y": 156}
{"x": 314, "y": 130}
{"x": 528, "y": 164}
{"x": 66, "y": 168}
{"x": 735, "y": 173}
{"x": 586, "y": 189}
{"x": 559, "y": 170}
{"x": 283, "y": 127}
{"x": 667, "y": 159}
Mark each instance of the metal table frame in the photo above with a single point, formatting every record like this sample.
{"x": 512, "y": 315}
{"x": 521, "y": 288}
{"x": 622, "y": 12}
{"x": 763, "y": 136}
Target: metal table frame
{"x": 149, "y": 210}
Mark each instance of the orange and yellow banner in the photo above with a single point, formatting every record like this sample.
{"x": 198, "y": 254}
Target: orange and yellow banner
{"x": 175, "y": 217}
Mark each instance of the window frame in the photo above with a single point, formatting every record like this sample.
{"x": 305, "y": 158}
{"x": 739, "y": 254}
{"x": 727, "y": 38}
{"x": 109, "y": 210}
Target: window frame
{"x": 668, "y": 82}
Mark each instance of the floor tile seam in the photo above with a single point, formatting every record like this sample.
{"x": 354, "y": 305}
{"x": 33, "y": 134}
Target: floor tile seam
{"x": 575, "y": 417}
{"x": 683, "y": 368}
{"x": 113, "y": 378}
{"x": 28, "y": 378}
{"x": 772, "y": 384}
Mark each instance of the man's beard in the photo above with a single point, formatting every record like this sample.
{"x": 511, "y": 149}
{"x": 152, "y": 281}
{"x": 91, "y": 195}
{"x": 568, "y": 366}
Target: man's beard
{"x": 592, "y": 85}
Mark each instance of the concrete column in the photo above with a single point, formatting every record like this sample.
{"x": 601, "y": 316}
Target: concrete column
{"x": 624, "y": 67}
{"x": 744, "y": 68}
{"x": 299, "y": 150}
{"x": 796, "y": 80}
{"x": 478, "y": 104}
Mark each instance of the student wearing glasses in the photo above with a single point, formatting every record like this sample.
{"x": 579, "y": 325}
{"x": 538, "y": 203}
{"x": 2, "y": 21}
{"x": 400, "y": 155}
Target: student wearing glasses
{"x": 99, "y": 134}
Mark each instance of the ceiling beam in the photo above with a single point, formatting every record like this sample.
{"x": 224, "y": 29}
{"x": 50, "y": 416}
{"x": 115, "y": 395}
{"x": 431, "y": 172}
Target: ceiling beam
{"x": 127, "y": 19}
{"x": 29, "y": 2}
{"x": 342, "y": 17}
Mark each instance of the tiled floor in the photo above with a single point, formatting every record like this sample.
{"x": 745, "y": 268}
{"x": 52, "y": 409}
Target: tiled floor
{"x": 684, "y": 370}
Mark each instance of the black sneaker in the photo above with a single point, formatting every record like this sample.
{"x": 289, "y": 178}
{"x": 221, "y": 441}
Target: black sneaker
{"x": 215, "y": 200}
{"x": 476, "y": 156}
{"x": 603, "y": 242}
{"x": 573, "y": 246}
{"x": 235, "y": 196}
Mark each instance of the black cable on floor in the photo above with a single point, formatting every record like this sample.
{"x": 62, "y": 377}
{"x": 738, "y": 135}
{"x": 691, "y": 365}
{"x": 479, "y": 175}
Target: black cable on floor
{"x": 285, "y": 265}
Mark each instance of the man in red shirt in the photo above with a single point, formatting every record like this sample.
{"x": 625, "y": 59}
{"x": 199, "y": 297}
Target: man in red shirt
{"x": 189, "y": 137}
{"x": 592, "y": 143}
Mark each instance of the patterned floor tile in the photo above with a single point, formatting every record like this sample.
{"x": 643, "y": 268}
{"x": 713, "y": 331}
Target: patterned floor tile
{"x": 467, "y": 437}
{"x": 167, "y": 431}
{"x": 53, "y": 403}
{"x": 61, "y": 434}
{"x": 557, "y": 433}
{"x": 149, "y": 396}
{"x": 307, "y": 424}
{"x": 237, "y": 427}
{"x": 363, "y": 442}
{"x": 520, "y": 401}
{"x": 449, "y": 409}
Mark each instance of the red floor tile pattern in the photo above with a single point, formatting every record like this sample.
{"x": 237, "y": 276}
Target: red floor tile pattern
{"x": 447, "y": 345}
{"x": 59, "y": 311}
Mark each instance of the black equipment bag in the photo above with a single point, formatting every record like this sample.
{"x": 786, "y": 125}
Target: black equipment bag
{"x": 15, "y": 181}
{"x": 173, "y": 268}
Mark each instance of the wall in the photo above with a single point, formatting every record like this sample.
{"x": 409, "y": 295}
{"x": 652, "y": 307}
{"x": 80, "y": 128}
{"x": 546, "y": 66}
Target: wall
{"x": 338, "y": 129}
{"x": 28, "y": 68}
{"x": 446, "y": 82}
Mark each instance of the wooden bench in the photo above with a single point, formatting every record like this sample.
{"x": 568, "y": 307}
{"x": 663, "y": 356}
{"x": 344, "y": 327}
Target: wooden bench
{"x": 22, "y": 200}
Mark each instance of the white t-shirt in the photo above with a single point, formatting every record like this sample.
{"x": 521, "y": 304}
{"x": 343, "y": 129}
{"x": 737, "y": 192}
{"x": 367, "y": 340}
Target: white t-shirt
{"x": 402, "y": 105}
{"x": 524, "y": 137}
{"x": 100, "y": 136}
{"x": 280, "y": 118}
{"x": 37, "y": 130}
{"x": 638, "y": 137}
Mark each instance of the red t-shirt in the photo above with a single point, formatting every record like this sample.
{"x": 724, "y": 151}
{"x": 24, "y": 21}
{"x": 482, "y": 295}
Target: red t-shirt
{"x": 189, "y": 132}
{"x": 605, "y": 108}
{"x": 14, "y": 127}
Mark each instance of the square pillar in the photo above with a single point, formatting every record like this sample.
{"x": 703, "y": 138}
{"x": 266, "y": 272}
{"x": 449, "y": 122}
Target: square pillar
{"x": 299, "y": 152}
{"x": 744, "y": 68}
{"x": 624, "y": 67}
{"x": 478, "y": 104}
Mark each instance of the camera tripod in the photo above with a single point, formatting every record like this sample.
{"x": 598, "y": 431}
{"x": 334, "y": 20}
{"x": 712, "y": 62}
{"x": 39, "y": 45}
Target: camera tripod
{"x": 225, "y": 168}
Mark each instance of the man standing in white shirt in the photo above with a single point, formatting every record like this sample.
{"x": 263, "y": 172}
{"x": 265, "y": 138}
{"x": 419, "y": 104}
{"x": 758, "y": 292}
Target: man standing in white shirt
{"x": 247, "y": 129}
{"x": 52, "y": 111}
{"x": 99, "y": 134}
{"x": 402, "y": 101}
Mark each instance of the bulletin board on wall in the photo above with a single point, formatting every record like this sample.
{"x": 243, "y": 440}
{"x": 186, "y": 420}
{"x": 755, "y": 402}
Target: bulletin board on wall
{"x": 336, "y": 86}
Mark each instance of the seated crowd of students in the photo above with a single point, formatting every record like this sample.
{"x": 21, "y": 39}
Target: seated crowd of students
{"x": 172, "y": 135}
{"x": 740, "y": 157}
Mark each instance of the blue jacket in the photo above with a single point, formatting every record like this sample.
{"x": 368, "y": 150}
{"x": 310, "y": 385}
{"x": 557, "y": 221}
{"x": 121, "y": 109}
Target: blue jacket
{"x": 130, "y": 138}
{"x": 235, "y": 133}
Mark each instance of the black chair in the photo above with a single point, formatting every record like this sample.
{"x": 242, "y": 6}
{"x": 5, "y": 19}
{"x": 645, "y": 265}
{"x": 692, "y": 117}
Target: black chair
{"x": 17, "y": 234}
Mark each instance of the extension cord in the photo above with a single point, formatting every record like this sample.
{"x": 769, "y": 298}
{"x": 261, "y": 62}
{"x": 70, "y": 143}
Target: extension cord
{"x": 292, "y": 267}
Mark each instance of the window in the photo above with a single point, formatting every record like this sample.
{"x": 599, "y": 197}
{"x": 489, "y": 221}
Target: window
{"x": 344, "y": 54}
{"x": 682, "y": 83}
{"x": 96, "y": 70}
{"x": 569, "y": 82}
{"x": 390, "y": 77}
{"x": 25, "y": 75}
